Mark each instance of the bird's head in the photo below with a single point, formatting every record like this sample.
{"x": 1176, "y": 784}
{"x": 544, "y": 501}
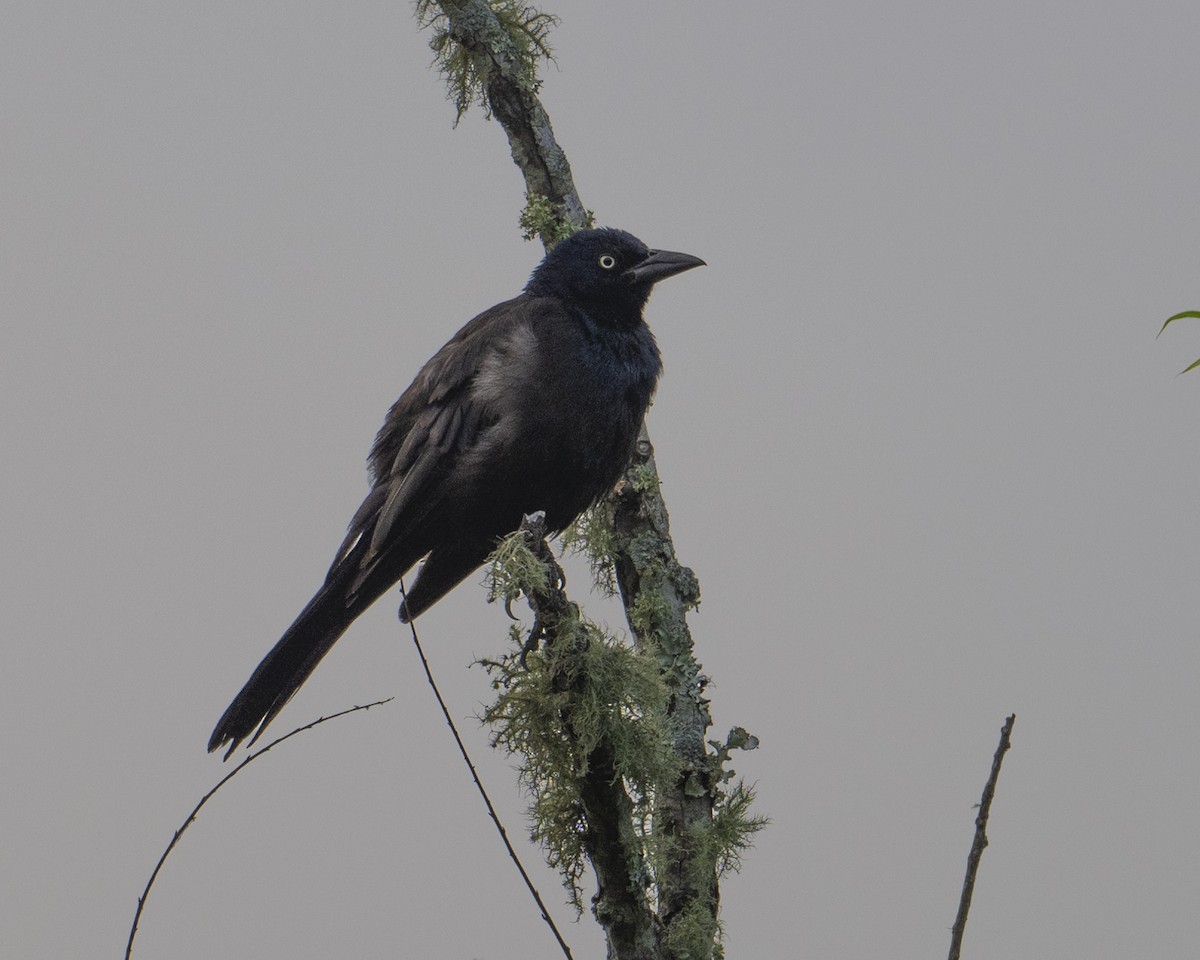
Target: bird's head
{"x": 606, "y": 267}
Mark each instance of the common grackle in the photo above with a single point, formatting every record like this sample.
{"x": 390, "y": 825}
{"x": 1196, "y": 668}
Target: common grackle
{"x": 533, "y": 405}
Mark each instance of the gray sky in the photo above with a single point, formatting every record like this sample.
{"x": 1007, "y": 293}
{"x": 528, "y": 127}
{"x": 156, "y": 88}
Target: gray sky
{"x": 918, "y": 441}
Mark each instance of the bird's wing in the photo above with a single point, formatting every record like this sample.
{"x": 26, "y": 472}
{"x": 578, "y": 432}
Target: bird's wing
{"x": 457, "y": 403}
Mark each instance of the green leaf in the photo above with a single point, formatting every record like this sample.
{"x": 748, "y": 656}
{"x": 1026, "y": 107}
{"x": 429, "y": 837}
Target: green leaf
{"x": 1189, "y": 314}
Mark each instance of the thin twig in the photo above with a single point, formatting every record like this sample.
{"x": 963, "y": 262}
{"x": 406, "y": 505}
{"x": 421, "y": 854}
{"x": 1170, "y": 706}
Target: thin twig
{"x": 487, "y": 801}
{"x": 203, "y": 800}
{"x": 981, "y": 841}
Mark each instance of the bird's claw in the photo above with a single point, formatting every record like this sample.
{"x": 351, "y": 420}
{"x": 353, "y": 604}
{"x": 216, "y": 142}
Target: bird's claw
{"x": 508, "y": 602}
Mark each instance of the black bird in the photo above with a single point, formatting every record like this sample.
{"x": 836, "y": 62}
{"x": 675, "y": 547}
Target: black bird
{"x": 533, "y": 405}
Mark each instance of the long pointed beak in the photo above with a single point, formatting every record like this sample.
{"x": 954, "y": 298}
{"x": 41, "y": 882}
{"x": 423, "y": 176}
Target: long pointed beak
{"x": 660, "y": 264}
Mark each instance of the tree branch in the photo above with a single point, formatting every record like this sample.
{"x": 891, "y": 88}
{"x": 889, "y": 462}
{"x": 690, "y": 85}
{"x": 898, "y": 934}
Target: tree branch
{"x": 510, "y": 88}
{"x": 980, "y": 841}
{"x": 611, "y": 843}
{"x": 656, "y": 590}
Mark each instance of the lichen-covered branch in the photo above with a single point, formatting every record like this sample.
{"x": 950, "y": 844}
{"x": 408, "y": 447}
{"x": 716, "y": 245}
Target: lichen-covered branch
{"x": 585, "y": 718}
{"x": 658, "y": 592}
{"x": 609, "y": 743}
{"x": 658, "y": 830}
{"x": 490, "y": 52}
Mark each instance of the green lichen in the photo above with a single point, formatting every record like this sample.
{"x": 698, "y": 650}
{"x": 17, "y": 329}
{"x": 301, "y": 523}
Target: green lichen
{"x": 614, "y": 698}
{"x": 692, "y": 933}
{"x": 514, "y": 569}
{"x": 543, "y": 219}
{"x": 592, "y": 536}
{"x": 585, "y": 694}
{"x": 526, "y": 40}
{"x": 733, "y": 827}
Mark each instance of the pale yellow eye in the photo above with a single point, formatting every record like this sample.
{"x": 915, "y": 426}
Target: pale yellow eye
{"x": 607, "y": 262}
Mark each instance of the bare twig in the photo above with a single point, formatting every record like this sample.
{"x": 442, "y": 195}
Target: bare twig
{"x": 141, "y": 903}
{"x": 487, "y": 801}
{"x": 980, "y": 841}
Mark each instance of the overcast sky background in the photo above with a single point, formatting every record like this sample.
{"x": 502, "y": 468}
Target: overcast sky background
{"x": 918, "y": 440}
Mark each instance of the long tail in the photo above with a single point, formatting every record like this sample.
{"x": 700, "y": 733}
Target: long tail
{"x": 286, "y": 667}
{"x": 326, "y": 618}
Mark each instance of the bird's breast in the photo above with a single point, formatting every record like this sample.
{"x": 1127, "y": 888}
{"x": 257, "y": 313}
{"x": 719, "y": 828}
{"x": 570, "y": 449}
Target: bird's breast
{"x": 566, "y": 401}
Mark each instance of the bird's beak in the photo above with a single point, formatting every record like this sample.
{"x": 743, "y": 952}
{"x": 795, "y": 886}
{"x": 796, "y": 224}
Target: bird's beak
{"x": 660, "y": 264}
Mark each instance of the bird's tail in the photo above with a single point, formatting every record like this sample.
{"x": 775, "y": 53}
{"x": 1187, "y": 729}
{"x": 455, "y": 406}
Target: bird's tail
{"x": 285, "y": 668}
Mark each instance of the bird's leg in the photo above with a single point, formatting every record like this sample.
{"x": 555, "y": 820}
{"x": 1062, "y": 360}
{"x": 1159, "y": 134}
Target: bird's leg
{"x": 550, "y": 604}
{"x": 533, "y": 641}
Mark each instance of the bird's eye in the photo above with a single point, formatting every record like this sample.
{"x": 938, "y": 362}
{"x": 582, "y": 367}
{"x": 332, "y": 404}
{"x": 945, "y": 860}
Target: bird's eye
{"x": 607, "y": 262}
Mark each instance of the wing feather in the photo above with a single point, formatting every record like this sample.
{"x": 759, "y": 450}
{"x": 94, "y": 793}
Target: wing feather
{"x": 441, "y": 419}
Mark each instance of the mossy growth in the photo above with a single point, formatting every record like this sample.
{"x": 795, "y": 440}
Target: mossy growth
{"x": 543, "y": 219}
{"x": 705, "y": 853}
{"x": 591, "y": 535}
{"x": 584, "y": 691}
{"x": 514, "y": 569}
{"x": 526, "y": 33}
{"x": 694, "y": 933}
{"x": 556, "y": 707}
